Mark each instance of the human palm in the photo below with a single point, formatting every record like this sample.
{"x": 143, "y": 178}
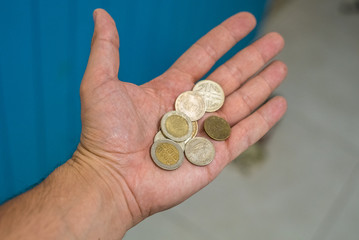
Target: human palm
{"x": 121, "y": 119}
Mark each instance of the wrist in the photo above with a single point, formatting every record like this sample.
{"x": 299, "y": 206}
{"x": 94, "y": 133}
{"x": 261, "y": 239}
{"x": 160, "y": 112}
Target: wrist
{"x": 73, "y": 202}
{"x": 95, "y": 173}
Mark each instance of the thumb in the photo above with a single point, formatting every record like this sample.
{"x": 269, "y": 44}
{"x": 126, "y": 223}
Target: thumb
{"x": 104, "y": 60}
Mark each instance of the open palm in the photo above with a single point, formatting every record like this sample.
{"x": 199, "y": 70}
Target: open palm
{"x": 121, "y": 119}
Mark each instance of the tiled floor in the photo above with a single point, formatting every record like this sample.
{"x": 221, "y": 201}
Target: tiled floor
{"x": 308, "y": 185}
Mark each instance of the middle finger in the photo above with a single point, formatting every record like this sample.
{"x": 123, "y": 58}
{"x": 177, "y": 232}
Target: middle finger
{"x": 233, "y": 73}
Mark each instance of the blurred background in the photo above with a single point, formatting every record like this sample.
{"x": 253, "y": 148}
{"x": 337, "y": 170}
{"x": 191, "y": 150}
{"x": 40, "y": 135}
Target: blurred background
{"x": 299, "y": 182}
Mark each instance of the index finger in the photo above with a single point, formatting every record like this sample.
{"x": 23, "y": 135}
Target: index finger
{"x": 199, "y": 58}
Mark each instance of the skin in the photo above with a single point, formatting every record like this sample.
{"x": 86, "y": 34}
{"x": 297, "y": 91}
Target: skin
{"x": 110, "y": 184}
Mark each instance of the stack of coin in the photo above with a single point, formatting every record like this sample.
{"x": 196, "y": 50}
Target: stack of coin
{"x": 179, "y": 128}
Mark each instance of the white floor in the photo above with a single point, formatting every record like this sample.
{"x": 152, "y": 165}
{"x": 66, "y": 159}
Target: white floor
{"x": 308, "y": 185}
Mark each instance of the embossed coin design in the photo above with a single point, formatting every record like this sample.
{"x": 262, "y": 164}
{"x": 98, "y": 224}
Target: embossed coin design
{"x": 212, "y": 94}
{"x": 217, "y": 128}
{"x": 167, "y": 154}
{"x": 192, "y": 104}
{"x": 160, "y": 136}
{"x": 176, "y": 126}
{"x": 200, "y": 151}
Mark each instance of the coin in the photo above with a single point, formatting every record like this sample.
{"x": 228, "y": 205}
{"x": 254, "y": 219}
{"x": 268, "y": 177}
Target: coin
{"x": 192, "y": 104}
{"x": 176, "y": 126}
{"x": 217, "y": 128}
{"x": 212, "y": 94}
{"x": 200, "y": 151}
{"x": 167, "y": 154}
{"x": 160, "y": 136}
{"x": 194, "y": 131}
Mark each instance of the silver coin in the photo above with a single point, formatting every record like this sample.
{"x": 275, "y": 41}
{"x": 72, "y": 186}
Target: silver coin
{"x": 176, "y": 126}
{"x": 160, "y": 136}
{"x": 200, "y": 151}
{"x": 212, "y": 94}
{"x": 167, "y": 154}
{"x": 192, "y": 104}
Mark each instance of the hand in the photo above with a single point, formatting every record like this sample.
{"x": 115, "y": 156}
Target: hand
{"x": 121, "y": 119}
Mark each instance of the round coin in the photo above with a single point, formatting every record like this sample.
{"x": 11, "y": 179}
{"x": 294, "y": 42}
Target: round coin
{"x": 217, "y": 128}
{"x": 194, "y": 131}
{"x": 200, "y": 151}
{"x": 160, "y": 136}
{"x": 176, "y": 126}
{"x": 192, "y": 104}
{"x": 167, "y": 154}
{"x": 212, "y": 94}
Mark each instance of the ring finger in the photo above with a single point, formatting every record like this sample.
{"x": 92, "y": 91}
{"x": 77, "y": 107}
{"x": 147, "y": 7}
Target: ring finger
{"x": 253, "y": 93}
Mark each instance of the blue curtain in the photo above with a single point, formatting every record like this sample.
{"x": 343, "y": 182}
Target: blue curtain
{"x": 43, "y": 54}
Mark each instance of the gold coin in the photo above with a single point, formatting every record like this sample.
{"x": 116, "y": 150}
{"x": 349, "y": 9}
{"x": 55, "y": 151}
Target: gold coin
{"x": 217, "y": 128}
{"x": 176, "y": 126}
{"x": 167, "y": 154}
{"x": 194, "y": 131}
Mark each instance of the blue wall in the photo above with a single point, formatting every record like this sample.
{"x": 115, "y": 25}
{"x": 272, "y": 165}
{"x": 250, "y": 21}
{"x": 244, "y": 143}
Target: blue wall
{"x": 44, "y": 47}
